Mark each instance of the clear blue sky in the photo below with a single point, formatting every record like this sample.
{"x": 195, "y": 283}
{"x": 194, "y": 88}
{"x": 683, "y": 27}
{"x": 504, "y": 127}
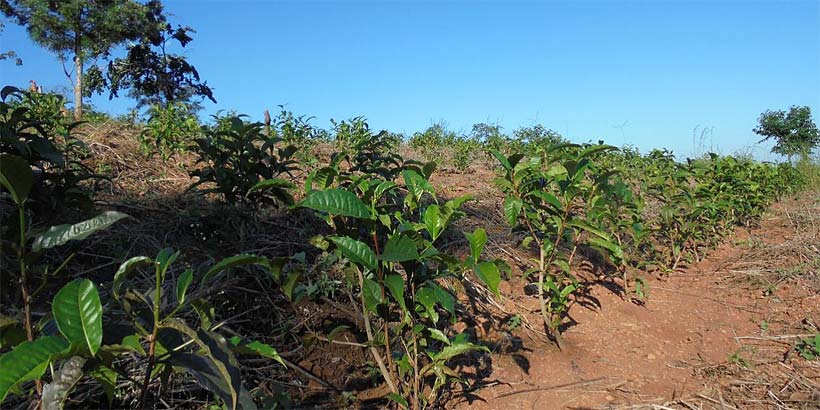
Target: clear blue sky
{"x": 643, "y": 73}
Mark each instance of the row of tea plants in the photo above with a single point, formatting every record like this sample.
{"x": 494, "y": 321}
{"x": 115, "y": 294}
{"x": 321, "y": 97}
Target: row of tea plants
{"x": 386, "y": 230}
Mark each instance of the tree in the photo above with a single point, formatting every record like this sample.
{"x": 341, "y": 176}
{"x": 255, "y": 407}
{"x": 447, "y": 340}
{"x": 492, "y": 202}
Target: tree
{"x": 795, "y": 132}
{"x": 152, "y": 75}
{"x": 82, "y": 30}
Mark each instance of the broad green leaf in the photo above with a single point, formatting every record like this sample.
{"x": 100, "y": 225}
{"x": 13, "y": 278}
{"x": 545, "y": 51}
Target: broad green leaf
{"x": 78, "y": 313}
{"x": 28, "y": 361}
{"x": 255, "y": 347}
{"x": 401, "y": 401}
{"x": 583, "y": 225}
{"x": 417, "y": 186}
{"x": 447, "y": 301}
{"x": 183, "y": 282}
{"x": 223, "y": 378}
{"x": 433, "y": 221}
{"x": 512, "y": 209}
{"x": 501, "y": 159}
{"x": 208, "y": 374}
{"x": 164, "y": 259}
{"x": 454, "y": 350}
{"x": 107, "y": 378}
{"x": 16, "y": 176}
{"x": 281, "y": 184}
{"x": 438, "y": 335}
{"x": 290, "y": 284}
{"x": 399, "y": 248}
{"x": 60, "y": 234}
{"x": 477, "y": 240}
{"x": 372, "y": 295}
{"x": 614, "y": 250}
{"x": 426, "y": 297}
{"x": 548, "y": 198}
{"x": 336, "y": 202}
{"x": 125, "y": 269}
{"x": 234, "y": 261}
{"x": 395, "y": 284}
{"x": 489, "y": 274}
{"x": 356, "y": 251}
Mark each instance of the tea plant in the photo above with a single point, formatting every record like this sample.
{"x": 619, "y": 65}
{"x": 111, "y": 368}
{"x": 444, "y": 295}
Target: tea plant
{"x": 32, "y": 128}
{"x": 544, "y": 197}
{"x": 28, "y": 360}
{"x": 296, "y": 132}
{"x": 398, "y": 276}
{"x": 154, "y": 315}
{"x": 170, "y": 129}
{"x": 244, "y": 164}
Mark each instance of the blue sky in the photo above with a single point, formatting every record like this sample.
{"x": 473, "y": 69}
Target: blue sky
{"x": 642, "y": 73}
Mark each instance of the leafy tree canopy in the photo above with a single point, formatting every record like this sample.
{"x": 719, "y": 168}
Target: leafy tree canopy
{"x": 150, "y": 73}
{"x": 81, "y": 30}
{"x": 794, "y": 132}
{"x": 88, "y": 31}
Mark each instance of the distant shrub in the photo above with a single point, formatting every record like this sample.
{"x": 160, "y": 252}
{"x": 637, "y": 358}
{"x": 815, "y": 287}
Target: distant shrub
{"x": 243, "y": 163}
{"x": 170, "y": 128}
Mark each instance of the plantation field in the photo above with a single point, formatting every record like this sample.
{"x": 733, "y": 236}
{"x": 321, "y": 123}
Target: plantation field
{"x": 251, "y": 265}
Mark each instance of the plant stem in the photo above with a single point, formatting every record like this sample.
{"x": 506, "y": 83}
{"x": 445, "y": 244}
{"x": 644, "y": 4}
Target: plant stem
{"x": 21, "y": 257}
{"x": 388, "y": 378}
{"x": 153, "y": 338}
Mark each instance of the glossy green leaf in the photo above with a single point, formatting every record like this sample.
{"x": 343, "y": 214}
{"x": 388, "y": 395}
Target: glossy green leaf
{"x": 233, "y": 262}
{"x": 126, "y": 268}
{"x": 78, "y": 313}
{"x": 477, "y": 241}
{"x": 395, "y": 284}
{"x": 356, "y": 251}
{"x": 512, "y": 209}
{"x": 438, "y": 335}
{"x": 372, "y": 295}
{"x": 399, "y": 248}
{"x": 60, "y": 234}
{"x": 336, "y": 202}
{"x": 28, "y": 361}
{"x": 107, "y": 378}
{"x": 183, "y": 282}
{"x": 257, "y": 348}
{"x": 432, "y": 221}
{"x": 16, "y": 176}
{"x": 489, "y": 274}
{"x": 290, "y": 284}
{"x": 165, "y": 258}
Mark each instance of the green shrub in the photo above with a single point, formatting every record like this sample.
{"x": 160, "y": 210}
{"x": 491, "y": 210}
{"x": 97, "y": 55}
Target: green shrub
{"x": 243, "y": 163}
{"x": 33, "y": 128}
{"x": 170, "y": 129}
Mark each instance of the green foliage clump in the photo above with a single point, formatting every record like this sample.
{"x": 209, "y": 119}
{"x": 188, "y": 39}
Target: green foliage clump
{"x": 243, "y": 164}
{"x": 400, "y": 281}
{"x": 794, "y": 132}
{"x": 32, "y": 127}
{"x": 170, "y": 129}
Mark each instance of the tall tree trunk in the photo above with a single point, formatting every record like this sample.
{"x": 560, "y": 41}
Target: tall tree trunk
{"x": 78, "y": 87}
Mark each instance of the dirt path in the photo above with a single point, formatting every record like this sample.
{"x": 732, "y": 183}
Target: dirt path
{"x": 697, "y": 338}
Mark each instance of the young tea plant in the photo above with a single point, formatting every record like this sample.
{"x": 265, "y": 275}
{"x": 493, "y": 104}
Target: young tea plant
{"x": 243, "y": 164}
{"x": 398, "y": 276}
{"x": 544, "y": 197}
{"x": 76, "y": 307}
